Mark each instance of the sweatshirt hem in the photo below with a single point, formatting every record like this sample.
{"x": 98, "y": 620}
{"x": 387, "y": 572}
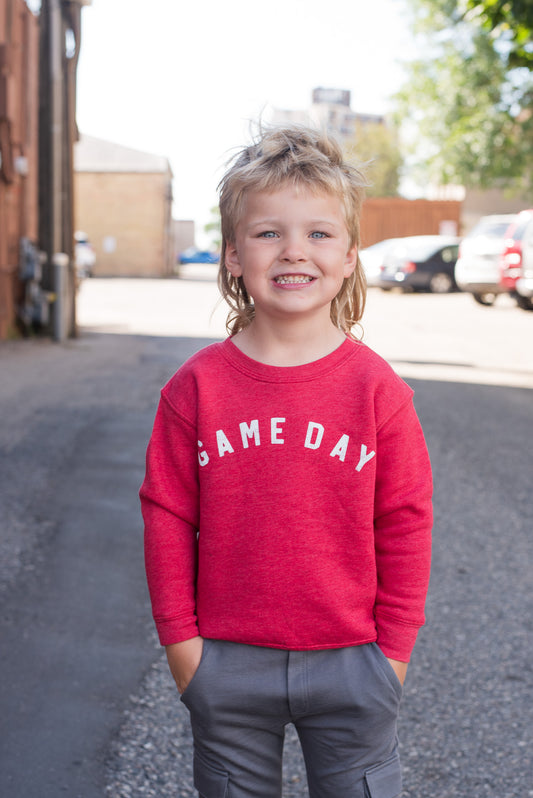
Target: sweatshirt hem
{"x": 289, "y": 646}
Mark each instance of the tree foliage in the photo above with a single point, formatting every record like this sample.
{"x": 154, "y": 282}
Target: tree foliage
{"x": 213, "y": 228}
{"x": 470, "y": 108}
{"x": 513, "y": 21}
{"x": 376, "y": 146}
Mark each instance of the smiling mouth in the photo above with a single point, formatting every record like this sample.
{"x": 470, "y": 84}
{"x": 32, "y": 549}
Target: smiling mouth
{"x": 293, "y": 279}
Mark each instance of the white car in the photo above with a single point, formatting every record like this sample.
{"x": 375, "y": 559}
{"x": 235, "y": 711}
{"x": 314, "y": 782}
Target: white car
{"x": 524, "y": 289}
{"x": 478, "y": 267}
{"x": 84, "y": 254}
{"x": 372, "y": 258}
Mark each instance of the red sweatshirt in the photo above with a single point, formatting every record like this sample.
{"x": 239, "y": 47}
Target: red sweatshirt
{"x": 288, "y": 507}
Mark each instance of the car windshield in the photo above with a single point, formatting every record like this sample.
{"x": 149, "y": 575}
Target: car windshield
{"x": 418, "y": 249}
{"x": 380, "y": 246}
{"x": 518, "y": 233}
{"x": 491, "y": 228}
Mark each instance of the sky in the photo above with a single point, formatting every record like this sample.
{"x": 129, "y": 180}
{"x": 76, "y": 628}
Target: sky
{"x": 187, "y": 78}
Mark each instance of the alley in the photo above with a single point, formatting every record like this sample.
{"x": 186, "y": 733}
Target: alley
{"x": 87, "y": 706}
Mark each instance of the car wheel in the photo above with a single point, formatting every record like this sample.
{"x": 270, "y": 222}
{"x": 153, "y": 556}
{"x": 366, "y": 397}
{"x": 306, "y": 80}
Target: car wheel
{"x": 440, "y": 283}
{"x": 524, "y": 302}
{"x": 486, "y": 299}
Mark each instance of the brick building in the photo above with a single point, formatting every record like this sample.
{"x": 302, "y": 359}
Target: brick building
{"x": 39, "y": 50}
{"x": 19, "y": 59}
{"x": 123, "y": 200}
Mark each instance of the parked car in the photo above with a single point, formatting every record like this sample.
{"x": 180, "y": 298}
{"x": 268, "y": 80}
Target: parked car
{"x": 194, "y": 255}
{"x": 478, "y": 267}
{"x": 524, "y": 290}
{"x": 84, "y": 254}
{"x": 516, "y": 265}
{"x": 421, "y": 263}
{"x": 372, "y": 259}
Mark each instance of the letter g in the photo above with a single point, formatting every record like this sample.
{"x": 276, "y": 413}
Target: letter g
{"x": 203, "y": 457}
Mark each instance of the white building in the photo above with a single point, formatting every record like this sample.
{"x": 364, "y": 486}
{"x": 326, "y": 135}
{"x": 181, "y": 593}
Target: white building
{"x": 329, "y": 110}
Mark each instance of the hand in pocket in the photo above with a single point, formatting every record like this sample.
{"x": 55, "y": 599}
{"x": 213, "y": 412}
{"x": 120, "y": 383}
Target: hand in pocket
{"x": 399, "y": 668}
{"x": 184, "y": 659}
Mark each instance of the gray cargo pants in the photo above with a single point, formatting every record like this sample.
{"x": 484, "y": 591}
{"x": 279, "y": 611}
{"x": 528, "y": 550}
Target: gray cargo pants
{"x": 343, "y": 702}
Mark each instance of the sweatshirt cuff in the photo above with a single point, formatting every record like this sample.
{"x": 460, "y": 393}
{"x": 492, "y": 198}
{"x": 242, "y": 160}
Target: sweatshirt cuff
{"x": 175, "y": 631}
{"x": 396, "y": 640}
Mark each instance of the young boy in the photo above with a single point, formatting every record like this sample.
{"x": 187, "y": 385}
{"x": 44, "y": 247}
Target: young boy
{"x": 287, "y": 498}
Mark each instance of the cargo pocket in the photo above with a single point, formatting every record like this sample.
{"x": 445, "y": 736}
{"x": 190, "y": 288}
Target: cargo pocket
{"x": 384, "y": 780}
{"x": 210, "y": 782}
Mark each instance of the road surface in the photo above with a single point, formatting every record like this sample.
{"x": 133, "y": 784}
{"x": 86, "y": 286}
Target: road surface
{"x": 86, "y": 706}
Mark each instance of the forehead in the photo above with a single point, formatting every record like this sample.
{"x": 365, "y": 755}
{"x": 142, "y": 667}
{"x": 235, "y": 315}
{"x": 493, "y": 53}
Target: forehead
{"x": 298, "y": 200}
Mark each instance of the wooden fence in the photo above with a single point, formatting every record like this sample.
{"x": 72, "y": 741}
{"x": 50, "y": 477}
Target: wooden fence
{"x": 392, "y": 217}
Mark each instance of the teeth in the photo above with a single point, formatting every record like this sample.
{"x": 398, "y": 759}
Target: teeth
{"x": 293, "y": 278}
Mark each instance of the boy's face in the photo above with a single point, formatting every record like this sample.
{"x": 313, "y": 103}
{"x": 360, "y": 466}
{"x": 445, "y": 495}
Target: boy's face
{"x": 292, "y": 249}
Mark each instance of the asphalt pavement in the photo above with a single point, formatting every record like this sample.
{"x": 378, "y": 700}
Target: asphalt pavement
{"x": 75, "y": 629}
{"x": 87, "y": 707}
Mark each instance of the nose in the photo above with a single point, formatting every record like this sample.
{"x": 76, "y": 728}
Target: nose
{"x": 293, "y": 250}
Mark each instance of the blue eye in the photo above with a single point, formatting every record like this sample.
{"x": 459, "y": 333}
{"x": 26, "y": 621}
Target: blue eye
{"x": 318, "y": 234}
{"x": 267, "y": 234}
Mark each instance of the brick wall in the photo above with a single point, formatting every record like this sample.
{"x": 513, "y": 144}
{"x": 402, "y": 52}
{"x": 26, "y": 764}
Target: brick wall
{"x": 19, "y": 53}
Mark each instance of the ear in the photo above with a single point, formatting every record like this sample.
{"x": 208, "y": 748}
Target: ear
{"x": 350, "y": 261}
{"x": 231, "y": 259}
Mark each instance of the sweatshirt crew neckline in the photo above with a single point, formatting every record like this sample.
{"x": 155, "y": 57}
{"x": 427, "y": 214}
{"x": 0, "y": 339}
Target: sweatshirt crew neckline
{"x": 307, "y": 371}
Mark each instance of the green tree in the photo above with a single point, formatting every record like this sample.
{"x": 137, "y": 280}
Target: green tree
{"x": 212, "y": 228}
{"x": 377, "y": 146}
{"x": 469, "y": 110}
{"x": 512, "y": 20}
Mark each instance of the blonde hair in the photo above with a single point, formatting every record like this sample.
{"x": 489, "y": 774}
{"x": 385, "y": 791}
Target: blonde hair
{"x": 305, "y": 158}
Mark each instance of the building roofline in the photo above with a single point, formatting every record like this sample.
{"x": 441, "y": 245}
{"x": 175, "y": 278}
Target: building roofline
{"x": 92, "y": 154}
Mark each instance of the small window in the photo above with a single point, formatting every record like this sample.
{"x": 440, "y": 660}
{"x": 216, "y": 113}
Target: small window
{"x": 450, "y": 254}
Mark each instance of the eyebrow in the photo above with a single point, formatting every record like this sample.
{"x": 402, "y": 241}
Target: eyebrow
{"x": 273, "y": 221}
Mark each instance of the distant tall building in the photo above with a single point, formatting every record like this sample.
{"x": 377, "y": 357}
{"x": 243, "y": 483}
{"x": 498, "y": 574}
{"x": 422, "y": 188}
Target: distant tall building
{"x": 329, "y": 110}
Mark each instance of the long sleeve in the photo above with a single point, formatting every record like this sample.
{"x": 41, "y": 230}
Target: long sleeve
{"x": 169, "y": 502}
{"x": 402, "y": 528}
